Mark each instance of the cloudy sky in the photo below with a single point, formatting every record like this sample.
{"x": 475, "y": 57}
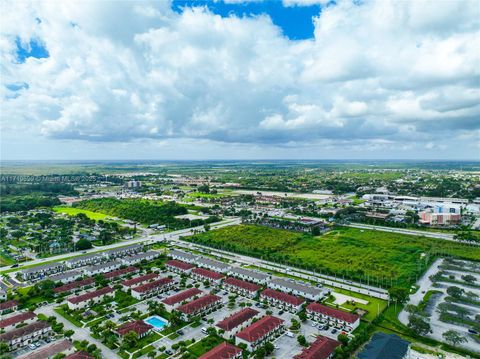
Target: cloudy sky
{"x": 306, "y": 79}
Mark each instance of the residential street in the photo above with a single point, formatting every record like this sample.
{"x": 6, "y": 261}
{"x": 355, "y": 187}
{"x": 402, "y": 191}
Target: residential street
{"x": 79, "y": 333}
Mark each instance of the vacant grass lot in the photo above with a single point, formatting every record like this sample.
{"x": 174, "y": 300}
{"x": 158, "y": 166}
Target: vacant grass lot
{"x": 382, "y": 258}
{"x": 71, "y": 211}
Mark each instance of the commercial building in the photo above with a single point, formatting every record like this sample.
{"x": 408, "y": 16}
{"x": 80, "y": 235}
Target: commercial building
{"x": 321, "y": 348}
{"x": 260, "y": 332}
{"x": 96, "y": 296}
{"x": 241, "y": 287}
{"x": 439, "y": 219}
{"x": 150, "y": 289}
{"x": 28, "y": 334}
{"x": 237, "y": 321}
{"x": 223, "y": 351}
{"x": 206, "y": 274}
{"x": 179, "y": 298}
{"x": 179, "y": 267}
{"x": 296, "y": 288}
{"x": 334, "y": 317}
{"x": 282, "y": 300}
{"x": 249, "y": 275}
{"x": 200, "y": 306}
{"x": 386, "y": 346}
{"x": 212, "y": 264}
{"x": 139, "y": 327}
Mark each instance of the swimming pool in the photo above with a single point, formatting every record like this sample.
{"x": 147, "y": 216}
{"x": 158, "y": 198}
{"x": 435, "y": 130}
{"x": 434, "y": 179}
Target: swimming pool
{"x": 157, "y": 322}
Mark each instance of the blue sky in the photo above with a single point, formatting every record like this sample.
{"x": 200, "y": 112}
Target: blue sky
{"x": 34, "y": 48}
{"x": 232, "y": 79}
{"x": 296, "y": 22}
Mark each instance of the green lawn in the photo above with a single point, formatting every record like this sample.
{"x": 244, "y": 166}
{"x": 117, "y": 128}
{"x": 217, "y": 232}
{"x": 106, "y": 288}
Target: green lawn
{"x": 374, "y": 307}
{"x": 387, "y": 259}
{"x": 67, "y": 316}
{"x": 71, "y": 211}
{"x": 205, "y": 345}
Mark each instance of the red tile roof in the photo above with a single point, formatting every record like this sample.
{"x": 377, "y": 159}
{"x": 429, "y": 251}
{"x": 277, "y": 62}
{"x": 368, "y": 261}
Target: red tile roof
{"x": 179, "y": 264}
{"x": 332, "y": 312}
{"x": 138, "y": 280}
{"x": 120, "y": 272}
{"x": 16, "y": 319}
{"x": 152, "y": 285}
{"x": 242, "y": 284}
{"x": 25, "y": 330}
{"x": 138, "y": 326}
{"x": 180, "y": 297}
{"x": 210, "y": 274}
{"x": 284, "y": 297}
{"x": 73, "y": 285}
{"x": 90, "y": 295}
{"x": 198, "y": 303}
{"x": 237, "y": 318}
{"x": 8, "y": 304}
{"x": 321, "y": 348}
{"x": 222, "y": 351}
{"x": 79, "y": 355}
{"x": 49, "y": 350}
{"x": 260, "y": 328}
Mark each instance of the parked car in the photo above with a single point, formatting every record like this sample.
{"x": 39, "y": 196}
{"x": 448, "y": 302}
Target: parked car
{"x": 290, "y": 334}
{"x": 334, "y": 331}
{"x": 281, "y": 312}
{"x": 32, "y": 346}
{"x": 168, "y": 352}
{"x": 180, "y": 332}
{"x": 472, "y": 331}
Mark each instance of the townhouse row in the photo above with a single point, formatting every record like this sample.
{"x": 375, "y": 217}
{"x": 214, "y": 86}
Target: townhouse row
{"x": 64, "y": 271}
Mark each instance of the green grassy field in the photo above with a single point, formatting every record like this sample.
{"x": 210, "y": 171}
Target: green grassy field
{"x": 71, "y": 211}
{"x": 384, "y": 258}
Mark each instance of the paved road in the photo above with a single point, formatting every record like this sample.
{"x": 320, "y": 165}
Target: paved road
{"x": 438, "y": 235}
{"x": 156, "y": 237}
{"x": 79, "y": 333}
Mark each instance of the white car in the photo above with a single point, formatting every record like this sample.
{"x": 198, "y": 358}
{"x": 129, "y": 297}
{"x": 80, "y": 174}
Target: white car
{"x": 290, "y": 334}
{"x": 32, "y": 346}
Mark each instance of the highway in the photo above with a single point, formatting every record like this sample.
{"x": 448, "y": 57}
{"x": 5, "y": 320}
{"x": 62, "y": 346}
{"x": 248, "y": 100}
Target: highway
{"x": 148, "y": 238}
{"x": 412, "y": 232}
{"x": 301, "y": 273}
{"x": 175, "y": 237}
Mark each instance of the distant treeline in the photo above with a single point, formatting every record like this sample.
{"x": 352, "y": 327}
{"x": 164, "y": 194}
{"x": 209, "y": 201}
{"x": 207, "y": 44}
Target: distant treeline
{"x": 23, "y": 197}
{"x": 43, "y": 188}
{"x": 143, "y": 211}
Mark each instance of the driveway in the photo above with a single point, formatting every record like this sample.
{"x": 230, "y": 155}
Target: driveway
{"x": 79, "y": 333}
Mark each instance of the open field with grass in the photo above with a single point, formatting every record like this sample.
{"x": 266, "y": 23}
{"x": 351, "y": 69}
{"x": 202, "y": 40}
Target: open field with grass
{"x": 71, "y": 211}
{"x": 382, "y": 258}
